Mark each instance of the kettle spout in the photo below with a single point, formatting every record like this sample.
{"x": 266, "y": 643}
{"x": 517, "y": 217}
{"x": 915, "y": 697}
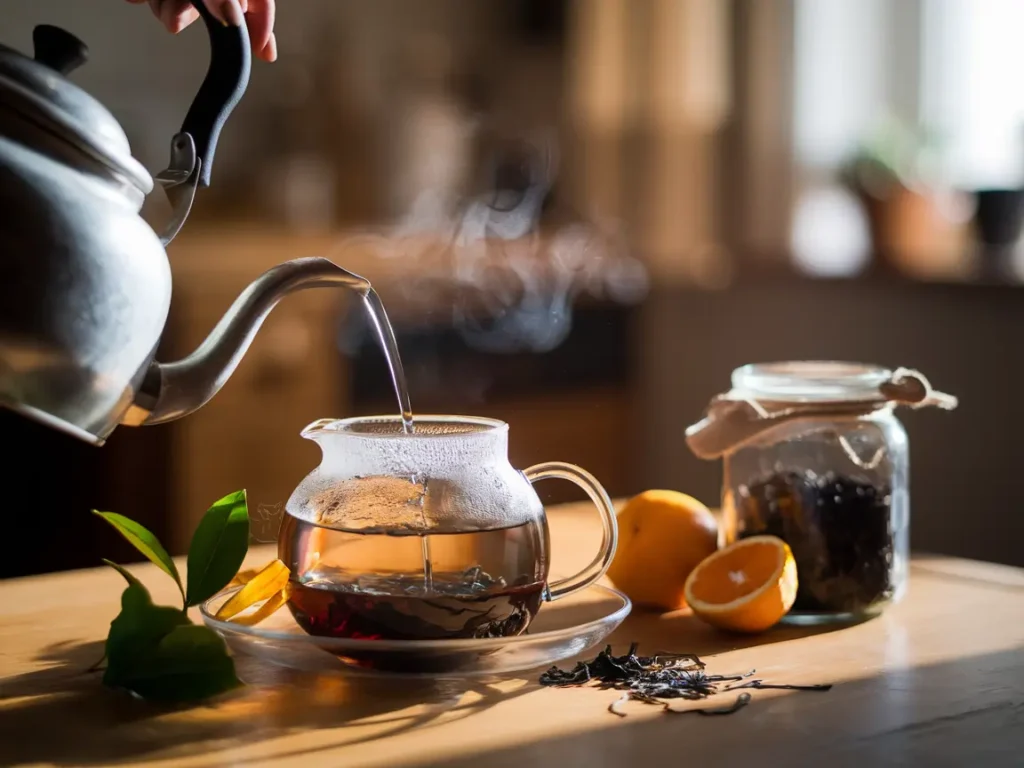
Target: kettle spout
{"x": 172, "y": 390}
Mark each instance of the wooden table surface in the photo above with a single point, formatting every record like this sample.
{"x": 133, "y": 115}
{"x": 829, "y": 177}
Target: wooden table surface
{"x": 937, "y": 680}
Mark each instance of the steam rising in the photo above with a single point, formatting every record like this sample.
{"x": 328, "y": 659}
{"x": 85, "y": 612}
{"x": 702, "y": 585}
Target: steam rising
{"x": 498, "y": 262}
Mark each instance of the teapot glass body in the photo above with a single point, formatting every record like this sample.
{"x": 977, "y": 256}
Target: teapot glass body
{"x": 426, "y": 535}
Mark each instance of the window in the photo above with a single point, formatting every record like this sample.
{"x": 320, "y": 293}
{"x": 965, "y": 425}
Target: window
{"x": 972, "y": 94}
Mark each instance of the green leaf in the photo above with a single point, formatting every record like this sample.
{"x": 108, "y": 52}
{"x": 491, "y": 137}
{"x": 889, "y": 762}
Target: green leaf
{"x": 189, "y": 663}
{"x": 136, "y": 630}
{"x": 128, "y": 575}
{"x": 130, "y": 578}
{"x": 143, "y": 540}
{"x": 158, "y": 654}
{"x": 218, "y": 547}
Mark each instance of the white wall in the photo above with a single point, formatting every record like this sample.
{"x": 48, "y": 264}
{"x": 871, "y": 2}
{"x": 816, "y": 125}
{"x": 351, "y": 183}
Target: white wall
{"x": 855, "y": 61}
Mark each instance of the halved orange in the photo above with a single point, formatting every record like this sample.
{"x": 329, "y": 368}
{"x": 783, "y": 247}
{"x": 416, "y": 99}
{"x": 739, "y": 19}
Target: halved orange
{"x": 745, "y": 587}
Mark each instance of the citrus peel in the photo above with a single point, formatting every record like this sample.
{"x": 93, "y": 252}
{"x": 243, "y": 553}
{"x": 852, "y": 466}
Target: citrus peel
{"x": 268, "y": 583}
{"x": 272, "y": 604}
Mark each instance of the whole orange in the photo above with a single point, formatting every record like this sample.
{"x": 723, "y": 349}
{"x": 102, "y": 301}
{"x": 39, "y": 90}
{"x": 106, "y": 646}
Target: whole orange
{"x": 663, "y": 535}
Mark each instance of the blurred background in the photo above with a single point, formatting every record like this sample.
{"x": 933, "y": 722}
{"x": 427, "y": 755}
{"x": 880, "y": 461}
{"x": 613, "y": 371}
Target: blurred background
{"x": 581, "y": 216}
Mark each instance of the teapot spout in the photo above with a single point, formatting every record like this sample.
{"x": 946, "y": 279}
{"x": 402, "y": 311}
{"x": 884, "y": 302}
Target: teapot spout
{"x": 172, "y": 390}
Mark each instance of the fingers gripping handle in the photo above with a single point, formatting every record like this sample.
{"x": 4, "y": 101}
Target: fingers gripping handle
{"x": 225, "y": 82}
{"x": 595, "y": 570}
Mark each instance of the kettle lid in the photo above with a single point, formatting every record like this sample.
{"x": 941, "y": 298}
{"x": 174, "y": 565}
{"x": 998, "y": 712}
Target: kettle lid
{"x": 39, "y": 91}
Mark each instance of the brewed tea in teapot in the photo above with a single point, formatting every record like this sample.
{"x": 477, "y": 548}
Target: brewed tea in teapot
{"x": 428, "y": 534}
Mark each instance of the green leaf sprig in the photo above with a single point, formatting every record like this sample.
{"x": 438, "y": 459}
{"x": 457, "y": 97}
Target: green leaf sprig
{"x": 156, "y": 651}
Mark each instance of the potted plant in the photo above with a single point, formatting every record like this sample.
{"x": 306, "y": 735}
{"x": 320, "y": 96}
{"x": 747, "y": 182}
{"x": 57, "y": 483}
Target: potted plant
{"x": 912, "y": 223}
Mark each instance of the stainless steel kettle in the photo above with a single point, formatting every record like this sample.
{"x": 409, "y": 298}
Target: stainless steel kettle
{"x": 85, "y": 284}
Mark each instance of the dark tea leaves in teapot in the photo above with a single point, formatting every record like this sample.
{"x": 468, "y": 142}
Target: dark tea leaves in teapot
{"x": 373, "y": 586}
{"x": 398, "y": 608}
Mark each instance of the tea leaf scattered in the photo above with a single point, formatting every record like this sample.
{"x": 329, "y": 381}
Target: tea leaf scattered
{"x": 657, "y": 680}
{"x": 218, "y": 547}
{"x": 616, "y": 706}
{"x": 143, "y": 540}
{"x": 761, "y": 685}
{"x": 741, "y": 701}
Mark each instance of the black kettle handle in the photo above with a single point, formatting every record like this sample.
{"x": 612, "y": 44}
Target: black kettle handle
{"x": 225, "y": 82}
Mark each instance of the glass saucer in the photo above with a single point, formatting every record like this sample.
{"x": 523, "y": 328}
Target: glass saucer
{"x": 561, "y": 630}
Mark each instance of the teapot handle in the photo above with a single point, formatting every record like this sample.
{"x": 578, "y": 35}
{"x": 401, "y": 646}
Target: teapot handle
{"x": 559, "y": 470}
{"x": 225, "y": 82}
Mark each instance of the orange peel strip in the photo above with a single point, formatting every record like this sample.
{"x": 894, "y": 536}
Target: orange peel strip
{"x": 243, "y": 577}
{"x": 269, "y": 581}
{"x": 273, "y": 602}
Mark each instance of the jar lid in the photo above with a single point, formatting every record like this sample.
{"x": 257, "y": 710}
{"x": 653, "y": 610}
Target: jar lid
{"x": 769, "y": 395}
{"x": 809, "y": 381}
{"x": 38, "y": 91}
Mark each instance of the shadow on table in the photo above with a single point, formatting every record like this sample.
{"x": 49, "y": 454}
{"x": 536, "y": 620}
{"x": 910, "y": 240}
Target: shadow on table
{"x": 691, "y": 635}
{"x": 63, "y": 715}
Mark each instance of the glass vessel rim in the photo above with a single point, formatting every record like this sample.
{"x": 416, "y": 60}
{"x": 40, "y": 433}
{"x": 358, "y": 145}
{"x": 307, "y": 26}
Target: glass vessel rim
{"x": 389, "y": 427}
{"x": 809, "y": 381}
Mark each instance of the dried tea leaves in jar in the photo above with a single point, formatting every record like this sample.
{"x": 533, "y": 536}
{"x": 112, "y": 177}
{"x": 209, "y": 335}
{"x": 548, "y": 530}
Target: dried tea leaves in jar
{"x": 839, "y": 529}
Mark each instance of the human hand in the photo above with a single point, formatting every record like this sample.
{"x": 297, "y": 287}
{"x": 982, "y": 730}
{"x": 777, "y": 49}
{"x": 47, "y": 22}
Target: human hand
{"x": 258, "y": 18}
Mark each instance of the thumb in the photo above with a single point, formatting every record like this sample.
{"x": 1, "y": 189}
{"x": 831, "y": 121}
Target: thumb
{"x": 175, "y": 15}
{"x": 229, "y": 12}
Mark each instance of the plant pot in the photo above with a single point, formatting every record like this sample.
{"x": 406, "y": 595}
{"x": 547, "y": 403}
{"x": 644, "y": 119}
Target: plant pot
{"x": 909, "y": 229}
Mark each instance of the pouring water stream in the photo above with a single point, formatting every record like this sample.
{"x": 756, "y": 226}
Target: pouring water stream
{"x": 389, "y": 346}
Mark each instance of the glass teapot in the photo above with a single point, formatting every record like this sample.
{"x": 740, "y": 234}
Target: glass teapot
{"x": 425, "y": 535}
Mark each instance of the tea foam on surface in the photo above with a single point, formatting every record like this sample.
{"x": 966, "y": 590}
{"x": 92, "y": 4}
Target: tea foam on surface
{"x": 451, "y": 475}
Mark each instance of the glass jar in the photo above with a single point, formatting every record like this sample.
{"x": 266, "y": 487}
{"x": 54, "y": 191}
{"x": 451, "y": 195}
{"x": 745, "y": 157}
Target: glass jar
{"x": 813, "y": 454}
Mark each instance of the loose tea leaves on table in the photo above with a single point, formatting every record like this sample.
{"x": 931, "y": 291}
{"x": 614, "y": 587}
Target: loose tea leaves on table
{"x": 656, "y": 680}
{"x": 761, "y": 685}
{"x": 741, "y": 701}
{"x": 616, "y": 707}
{"x": 839, "y": 528}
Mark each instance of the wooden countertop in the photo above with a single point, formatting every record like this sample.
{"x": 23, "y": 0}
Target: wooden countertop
{"x": 937, "y": 680}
